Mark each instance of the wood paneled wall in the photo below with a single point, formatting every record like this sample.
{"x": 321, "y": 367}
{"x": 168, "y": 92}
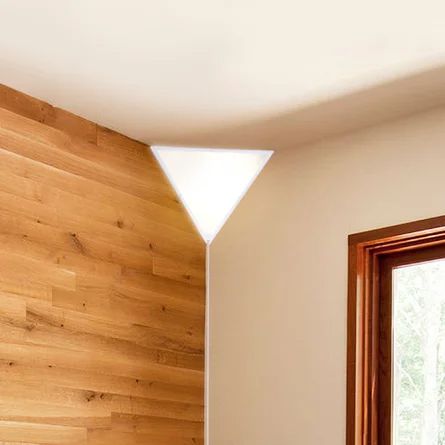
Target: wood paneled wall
{"x": 102, "y": 288}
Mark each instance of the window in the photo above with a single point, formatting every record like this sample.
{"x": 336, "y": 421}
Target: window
{"x": 396, "y": 335}
{"x": 419, "y": 353}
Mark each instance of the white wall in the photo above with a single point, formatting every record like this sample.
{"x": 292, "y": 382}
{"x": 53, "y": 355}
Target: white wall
{"x": 278, "y": 277}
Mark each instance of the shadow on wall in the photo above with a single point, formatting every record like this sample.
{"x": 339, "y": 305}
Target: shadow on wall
{"x": 392, "y": 100}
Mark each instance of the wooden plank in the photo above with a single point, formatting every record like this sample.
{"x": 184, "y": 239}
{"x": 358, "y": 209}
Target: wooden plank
{"x": 23, "y": 104}
{"x": 40, "y": 111}
{"x": 41, "y": 331}
{"x": 38, "y": 373}
{"x": 50, "y": 401}
{"x": 79, "y": 321}
{"x": 113, "y": 437}
{"x": 156, "y": 425}
{"x": 22, "y": 267}
{"x": 91, "y": 362}
{"x": 24, "y": 288}
{"x": 41, "y": 434}
{"x": 15, "y": 408}
{"x": 177, "y": 270}
{"x": 12, "y": 319}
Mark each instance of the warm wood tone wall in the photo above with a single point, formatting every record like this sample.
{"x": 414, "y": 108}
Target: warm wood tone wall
{"x": 101, "y": 288}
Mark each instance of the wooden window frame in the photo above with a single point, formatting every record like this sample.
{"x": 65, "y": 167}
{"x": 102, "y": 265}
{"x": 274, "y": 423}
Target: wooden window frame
{"x": 365, "y": 398}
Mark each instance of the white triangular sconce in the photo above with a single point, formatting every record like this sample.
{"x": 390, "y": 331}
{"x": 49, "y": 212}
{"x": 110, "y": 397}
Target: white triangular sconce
{"x": 210, "y": 182}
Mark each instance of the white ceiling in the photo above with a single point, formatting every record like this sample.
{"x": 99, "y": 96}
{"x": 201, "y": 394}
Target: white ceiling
{"x": 175, "y": 72}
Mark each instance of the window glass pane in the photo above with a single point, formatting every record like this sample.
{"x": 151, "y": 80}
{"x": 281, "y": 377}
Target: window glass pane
{"x": 419, "y": 354}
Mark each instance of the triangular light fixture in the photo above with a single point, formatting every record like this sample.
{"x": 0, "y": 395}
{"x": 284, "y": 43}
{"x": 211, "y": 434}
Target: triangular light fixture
{"x": 210, "y": 182}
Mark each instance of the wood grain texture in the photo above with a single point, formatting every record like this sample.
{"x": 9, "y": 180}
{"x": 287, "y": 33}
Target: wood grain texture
{"x": 102, "y": 288}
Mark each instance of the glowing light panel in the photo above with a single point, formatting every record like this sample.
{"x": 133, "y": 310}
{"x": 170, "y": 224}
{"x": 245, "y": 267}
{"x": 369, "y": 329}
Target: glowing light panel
{"x": 210, "y": 182}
